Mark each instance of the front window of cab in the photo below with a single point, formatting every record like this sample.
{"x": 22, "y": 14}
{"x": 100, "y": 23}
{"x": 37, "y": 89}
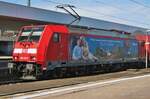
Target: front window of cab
{"x": 31, "y": 34}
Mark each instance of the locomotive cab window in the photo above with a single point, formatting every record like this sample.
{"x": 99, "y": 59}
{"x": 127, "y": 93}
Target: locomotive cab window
{"x": 56, "y": 37}
{"x": 31, "y": 34}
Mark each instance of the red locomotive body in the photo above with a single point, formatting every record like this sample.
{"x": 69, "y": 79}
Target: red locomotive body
{"x": 43, "y": 48}
{"x": 144, "y": 42}
{"x": 36, "y": 45}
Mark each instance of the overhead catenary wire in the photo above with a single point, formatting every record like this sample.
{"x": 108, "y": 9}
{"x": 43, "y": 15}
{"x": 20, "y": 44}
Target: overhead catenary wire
{"x": 116, "y": 7}
{"x": 139, "y": 3}
{"x": 112, "y": 6}
{"x": 54, "y": 2}
{"x": 103, "y": 14}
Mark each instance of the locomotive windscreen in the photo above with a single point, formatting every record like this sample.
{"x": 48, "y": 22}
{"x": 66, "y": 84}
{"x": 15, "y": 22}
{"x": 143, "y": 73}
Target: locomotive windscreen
{"x": 31, "y": 34}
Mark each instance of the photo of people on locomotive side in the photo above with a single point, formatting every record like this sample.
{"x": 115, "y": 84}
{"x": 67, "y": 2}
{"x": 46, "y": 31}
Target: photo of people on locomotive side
{"x": 81, "y": 50}
{"x": 88, "y": 48}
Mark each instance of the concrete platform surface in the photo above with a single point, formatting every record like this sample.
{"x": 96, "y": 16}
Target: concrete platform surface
{"x": 127, "y": 89}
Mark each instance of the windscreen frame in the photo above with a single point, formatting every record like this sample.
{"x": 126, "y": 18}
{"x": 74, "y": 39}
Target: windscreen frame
{"x": 32, "y": 30}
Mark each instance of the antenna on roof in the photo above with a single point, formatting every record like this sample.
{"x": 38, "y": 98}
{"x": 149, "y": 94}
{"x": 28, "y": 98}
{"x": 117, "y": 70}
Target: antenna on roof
{"x": 72, "y": 12}
{"x": 29, "y": 3}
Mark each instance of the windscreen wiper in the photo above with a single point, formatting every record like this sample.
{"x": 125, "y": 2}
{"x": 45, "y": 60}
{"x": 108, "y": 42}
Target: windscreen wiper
{"x": 29, "y": 37}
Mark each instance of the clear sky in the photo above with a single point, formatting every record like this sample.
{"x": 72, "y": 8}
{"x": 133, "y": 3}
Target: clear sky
{"x": 130, "y": 12}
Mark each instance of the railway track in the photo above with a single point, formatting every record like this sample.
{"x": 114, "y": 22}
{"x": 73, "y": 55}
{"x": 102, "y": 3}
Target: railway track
{"x": 10, "y": 82}
{"x": 27, "y": 87}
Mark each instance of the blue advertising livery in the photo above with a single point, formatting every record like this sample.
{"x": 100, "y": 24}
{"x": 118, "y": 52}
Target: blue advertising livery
{"x": 103, "y": 49}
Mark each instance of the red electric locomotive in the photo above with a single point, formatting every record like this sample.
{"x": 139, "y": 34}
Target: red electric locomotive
{"x": 38, "y": 45}
{"x": 43, "y": 49}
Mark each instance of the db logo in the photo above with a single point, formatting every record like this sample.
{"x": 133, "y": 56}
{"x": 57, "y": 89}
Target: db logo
{"x": 24, "y": 50}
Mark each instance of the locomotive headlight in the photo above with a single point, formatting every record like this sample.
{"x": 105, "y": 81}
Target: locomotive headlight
{"x": 16, "y": 57}
{"x": 33, "y": 58}
{"x": 17, "y": 50}
{"x": 32, "y": 50}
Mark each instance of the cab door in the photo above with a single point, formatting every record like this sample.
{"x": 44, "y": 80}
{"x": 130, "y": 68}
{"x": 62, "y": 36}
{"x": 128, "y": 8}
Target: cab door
{"x": 59, "y": 47}
{"x": 64, "y": 47}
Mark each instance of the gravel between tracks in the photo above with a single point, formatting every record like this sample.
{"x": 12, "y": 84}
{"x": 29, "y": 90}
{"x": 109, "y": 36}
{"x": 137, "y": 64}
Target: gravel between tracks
{"x": 47, "y": 84}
